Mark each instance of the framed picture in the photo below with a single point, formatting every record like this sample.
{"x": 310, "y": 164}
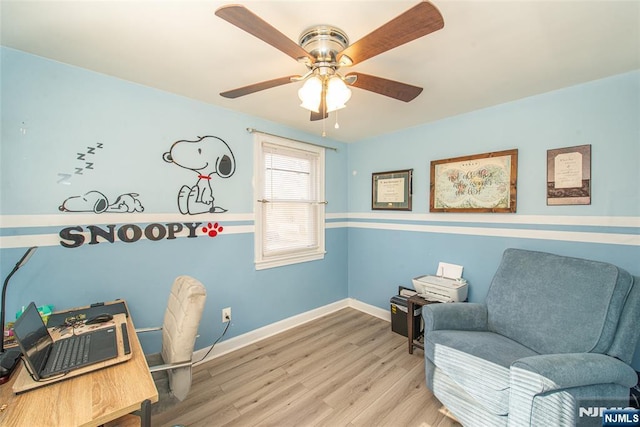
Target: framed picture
{"x": 391, "y": 190}
{"x": 569, "y": 176}
{"x": 478, "y": 183}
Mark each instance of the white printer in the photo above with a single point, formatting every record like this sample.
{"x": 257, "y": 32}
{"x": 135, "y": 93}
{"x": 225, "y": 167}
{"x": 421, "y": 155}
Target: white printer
{"x": 442, "y": 289}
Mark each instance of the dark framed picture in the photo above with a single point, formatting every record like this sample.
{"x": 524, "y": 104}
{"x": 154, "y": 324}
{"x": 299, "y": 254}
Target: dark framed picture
{"x": 477, "y": 183}
{"x": 391, "y": 190}
{"x": 569, "y": 176}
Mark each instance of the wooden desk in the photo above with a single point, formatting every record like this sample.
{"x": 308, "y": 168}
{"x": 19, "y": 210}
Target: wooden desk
{"x": 411, "y": 303}
{"x": 91, "y": 399}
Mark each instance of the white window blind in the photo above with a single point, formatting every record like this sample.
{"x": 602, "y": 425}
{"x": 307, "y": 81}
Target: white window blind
{"x": 290, "y": 202}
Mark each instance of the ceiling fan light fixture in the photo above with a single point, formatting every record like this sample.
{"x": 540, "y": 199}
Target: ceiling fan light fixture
{"x": 337, "y": 94}
{"x": 311, "y": 94}
{"x": 324, "y": 49}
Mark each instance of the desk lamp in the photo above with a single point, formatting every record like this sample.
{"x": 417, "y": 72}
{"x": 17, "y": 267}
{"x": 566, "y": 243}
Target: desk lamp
{"x": 9, "y": 359}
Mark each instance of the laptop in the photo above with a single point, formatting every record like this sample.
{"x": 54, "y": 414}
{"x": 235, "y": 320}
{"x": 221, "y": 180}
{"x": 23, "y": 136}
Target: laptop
{"x": 46, "y": 358}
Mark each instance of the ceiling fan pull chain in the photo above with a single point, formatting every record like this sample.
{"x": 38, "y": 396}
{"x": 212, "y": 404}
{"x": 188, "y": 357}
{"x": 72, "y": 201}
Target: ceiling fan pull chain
{"x": 337, "y": 125}
{"x": 324, "y": 130}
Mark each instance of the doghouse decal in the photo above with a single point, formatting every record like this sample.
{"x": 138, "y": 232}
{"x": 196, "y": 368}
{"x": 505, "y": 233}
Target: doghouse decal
{"x": 96, "y": 202}
{"x": 206, "y": 156}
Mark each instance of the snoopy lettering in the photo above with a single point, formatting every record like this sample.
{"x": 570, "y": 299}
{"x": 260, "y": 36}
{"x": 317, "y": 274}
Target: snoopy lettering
{"x": 207, "y": 156}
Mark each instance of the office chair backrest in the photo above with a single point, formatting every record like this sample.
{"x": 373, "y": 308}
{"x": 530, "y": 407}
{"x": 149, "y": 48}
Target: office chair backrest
{"x": 180, "y": 328}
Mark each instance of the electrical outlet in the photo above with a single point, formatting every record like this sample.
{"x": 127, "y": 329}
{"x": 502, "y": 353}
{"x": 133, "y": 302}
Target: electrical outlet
{"x": 226, "y": 314}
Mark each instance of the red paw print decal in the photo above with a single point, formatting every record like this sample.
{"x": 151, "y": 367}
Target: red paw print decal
{"x": 212, "y": 230}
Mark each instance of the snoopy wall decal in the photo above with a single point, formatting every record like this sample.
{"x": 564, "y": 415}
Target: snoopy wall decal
{"x": 96, "y": 202}
{"x": 206, "y": 156}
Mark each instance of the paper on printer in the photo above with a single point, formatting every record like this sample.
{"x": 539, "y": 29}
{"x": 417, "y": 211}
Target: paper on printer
{"x": 446, "y": 286}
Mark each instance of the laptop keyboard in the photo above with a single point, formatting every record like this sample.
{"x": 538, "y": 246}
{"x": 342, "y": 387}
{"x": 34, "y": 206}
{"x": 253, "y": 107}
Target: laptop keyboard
{"x": 71, "y": 352}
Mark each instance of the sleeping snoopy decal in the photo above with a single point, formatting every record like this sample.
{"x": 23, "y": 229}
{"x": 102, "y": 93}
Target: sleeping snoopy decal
{"x": 97, "y": 202}
{"x": 206, "y": 156}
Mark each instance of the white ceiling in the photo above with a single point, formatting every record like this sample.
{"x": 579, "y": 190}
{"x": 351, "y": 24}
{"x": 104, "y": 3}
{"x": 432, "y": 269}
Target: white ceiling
{"x": 489, "y": 52}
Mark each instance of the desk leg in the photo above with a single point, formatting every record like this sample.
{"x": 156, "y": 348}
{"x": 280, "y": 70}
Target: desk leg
{"x": 410, "y": 325}
{"x": 145, "y": 413}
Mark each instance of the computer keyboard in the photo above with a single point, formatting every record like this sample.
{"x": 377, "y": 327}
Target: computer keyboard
{"x": 71, "y": 352}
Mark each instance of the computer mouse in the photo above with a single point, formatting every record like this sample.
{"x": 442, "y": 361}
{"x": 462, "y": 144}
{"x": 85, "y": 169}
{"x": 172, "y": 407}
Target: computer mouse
{"x": 100, "y": 318}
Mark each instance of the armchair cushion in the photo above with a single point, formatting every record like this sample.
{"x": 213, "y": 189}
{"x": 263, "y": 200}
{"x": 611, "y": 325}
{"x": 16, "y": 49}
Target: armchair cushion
{"x": 531, "y": 289}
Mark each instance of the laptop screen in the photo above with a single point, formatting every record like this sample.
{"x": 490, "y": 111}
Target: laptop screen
{"x": 33, "y": 338}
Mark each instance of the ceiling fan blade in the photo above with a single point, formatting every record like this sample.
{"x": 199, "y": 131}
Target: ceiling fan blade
{"x": 416, "y": 22}
{"x": 257, "y": 87}
{"x": 397, "y": 90}
{"x": 246, "y": 20}
{"x": 322, "y": 111}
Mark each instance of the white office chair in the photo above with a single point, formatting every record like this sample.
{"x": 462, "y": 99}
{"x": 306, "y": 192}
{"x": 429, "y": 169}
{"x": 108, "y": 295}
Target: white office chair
{"x": 171, "y": 368}
{"x": 179, "y": 332}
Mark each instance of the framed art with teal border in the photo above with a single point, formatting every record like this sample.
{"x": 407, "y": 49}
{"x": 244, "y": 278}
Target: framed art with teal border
{"x": 391, "y": 190}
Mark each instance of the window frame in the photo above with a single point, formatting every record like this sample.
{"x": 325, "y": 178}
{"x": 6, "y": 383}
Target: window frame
{"x": 264, "y": 261}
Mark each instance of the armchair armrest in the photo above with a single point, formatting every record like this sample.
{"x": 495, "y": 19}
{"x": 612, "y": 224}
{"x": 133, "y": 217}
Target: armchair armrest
{"x": 455, "y": 316}
{"x": 550, "y": 372}
{"x": 547, "y": 374}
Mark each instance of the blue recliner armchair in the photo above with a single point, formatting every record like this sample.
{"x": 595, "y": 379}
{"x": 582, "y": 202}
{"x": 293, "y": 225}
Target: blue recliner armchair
{"x": 554, "y": 335}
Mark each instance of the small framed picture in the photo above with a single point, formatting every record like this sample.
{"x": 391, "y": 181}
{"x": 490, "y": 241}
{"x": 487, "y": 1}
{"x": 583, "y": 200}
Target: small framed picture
{"x": 569, "y": 176}
{"x": 391, "y": 190}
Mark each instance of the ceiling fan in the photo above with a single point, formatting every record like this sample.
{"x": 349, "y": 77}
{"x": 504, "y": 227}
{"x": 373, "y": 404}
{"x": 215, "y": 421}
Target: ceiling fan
{"x": 324, "y": 49}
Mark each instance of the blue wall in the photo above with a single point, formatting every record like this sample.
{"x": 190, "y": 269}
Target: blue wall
{"x": 52, "y": 112}
{"x": 387, "y": 249}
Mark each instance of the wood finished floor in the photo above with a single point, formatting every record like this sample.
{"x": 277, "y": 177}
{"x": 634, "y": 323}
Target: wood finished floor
{"x": 344, "y": 369}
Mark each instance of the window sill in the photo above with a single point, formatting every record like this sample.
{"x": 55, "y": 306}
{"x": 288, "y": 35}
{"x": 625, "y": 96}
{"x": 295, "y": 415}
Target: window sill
{"x": 288, "y": 260}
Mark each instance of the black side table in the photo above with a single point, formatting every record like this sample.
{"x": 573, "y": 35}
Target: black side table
{"x": 412, "y": 302}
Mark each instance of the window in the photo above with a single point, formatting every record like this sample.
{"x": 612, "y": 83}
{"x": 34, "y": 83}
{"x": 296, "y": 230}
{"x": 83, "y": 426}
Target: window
{"x": 289, "y": 194}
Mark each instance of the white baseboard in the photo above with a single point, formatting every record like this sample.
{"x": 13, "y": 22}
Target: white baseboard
{"x": 370, "y": 309}
{"x": 259, "y": 334}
